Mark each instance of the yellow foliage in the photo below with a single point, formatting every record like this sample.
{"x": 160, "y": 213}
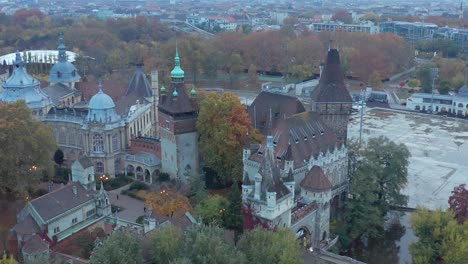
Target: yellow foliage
{"x": 141, "y": 194}
{"x": 168, "y": 203}
{"x": 8, "y": 260}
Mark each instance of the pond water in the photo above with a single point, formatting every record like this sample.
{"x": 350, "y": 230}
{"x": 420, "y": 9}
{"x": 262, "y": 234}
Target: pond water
{"x": 393, "y": 248}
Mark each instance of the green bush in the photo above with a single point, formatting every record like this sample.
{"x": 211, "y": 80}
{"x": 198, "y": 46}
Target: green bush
{"x": 163, "y": 177}
{"x": 138, "y": 186}
{"x": 113, "y": 183}
{"x": 140, "y": 219}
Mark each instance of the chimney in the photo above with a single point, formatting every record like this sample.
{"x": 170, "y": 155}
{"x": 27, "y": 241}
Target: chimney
{"x": 75, "y": 190}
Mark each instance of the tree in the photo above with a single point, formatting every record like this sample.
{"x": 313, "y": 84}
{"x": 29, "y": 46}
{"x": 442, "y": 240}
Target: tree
{"x": 234, "y": 217}
{"x": 223, "y": 124}
{"x": 444, "y": 87}
{"x": 166, "y": 242}
{"x": 441, "y": 239}
{"x": 263, "y": 246}
{"x": 413, "y": 83}
{"x": 458, "y": 202}
{"x": 198, "y": 190}
{"x": 375, "y": 79}
{"x": 378, "y": 172}
{"x": 119, "y": 247}
{"x": 425, "y": 77}
{"x": 206, "y": 245}
{"x": 234, "y": 67}
{"x": 168, "y": 203}
{"x": 212, "y": 210}
{"x": 8, "y": 260}
{"x": 27, "y": 147}
{"x": 342, "y": 15}
{"x": 58, "y": 157}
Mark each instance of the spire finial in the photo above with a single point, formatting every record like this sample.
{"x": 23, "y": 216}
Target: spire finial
{"x": 100, "y": 87}
{"x": 61, "y": 48}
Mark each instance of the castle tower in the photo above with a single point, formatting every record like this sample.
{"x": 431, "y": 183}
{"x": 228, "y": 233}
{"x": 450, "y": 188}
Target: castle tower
{"x": 103, "y": 205}
{"x": 63, "y": 71}
{"x": 178, "y": 114}
{"x": 331, "y": 99}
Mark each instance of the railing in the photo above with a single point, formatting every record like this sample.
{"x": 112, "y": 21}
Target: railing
{"x": 55, "y": 118}
{"x": 302, "y": 212}
{"x": 146, "y": 161}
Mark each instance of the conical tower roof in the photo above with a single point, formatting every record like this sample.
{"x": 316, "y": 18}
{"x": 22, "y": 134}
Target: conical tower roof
{"x": 331, "y": 87}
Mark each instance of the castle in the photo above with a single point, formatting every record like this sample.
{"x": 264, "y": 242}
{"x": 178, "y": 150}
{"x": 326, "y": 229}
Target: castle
{"x": 299, "y": 174}
{"x": 137, "y": 131}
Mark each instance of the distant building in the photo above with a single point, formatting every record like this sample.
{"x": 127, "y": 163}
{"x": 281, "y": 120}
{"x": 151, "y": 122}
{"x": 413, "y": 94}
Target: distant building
{"x": 367, "y": 27}
{"x": 411, "y": 31}
{"x": 452, "y": 104}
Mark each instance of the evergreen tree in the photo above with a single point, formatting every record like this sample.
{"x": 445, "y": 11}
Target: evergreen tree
{"x": 58, "y": 157}
{"x": 234, "y": 219}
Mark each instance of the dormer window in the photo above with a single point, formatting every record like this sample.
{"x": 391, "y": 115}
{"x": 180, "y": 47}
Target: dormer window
{"x": 59, "y": 74}
{"x": 260, "y": 153}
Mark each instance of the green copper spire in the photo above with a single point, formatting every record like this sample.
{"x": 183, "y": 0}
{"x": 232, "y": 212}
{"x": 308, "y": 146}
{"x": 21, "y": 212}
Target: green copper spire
{"x": 193, "y": 92}
{"x": 163, "y": 89}
{"x": 177, "y": 72}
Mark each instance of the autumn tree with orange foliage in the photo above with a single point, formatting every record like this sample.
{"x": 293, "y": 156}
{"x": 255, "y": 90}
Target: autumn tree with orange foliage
{"x": 168, "y": 203}
{"x": 223, "y": 124}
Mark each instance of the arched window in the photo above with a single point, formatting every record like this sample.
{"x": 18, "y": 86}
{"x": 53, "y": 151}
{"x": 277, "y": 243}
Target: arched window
{"x": 460, "y": 105}
{"x": 98, "y": 143}
{"x": 59, "y": 74}
{"x": 115, "y": 143}
{"x": 99, "y": 168}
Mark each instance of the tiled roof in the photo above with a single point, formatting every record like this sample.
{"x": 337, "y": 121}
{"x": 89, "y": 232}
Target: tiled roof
{"x": 27, "y": 226}
{"x": 316, "y": 180}
{"x": 56, "y": 92}
{"x": 304, "y": 132}
{"x": 177, "y": 104}
{"x": 271, "y": 176}
{"x": 139, "y": 83}
{"x": 58, "y": 202}
{"x": 116, "y": 90}
{"x": 35, "y": 245}
{"x": 331, "y": 87}
{"x": 85, "y": 161}
{"x": 281, "y": 106}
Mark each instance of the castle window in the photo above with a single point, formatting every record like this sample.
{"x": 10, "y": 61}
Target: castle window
{"x": 115, "y": 143}
{"x": 59, "y": 74}
{"x": 90, "y": 213}
{"x": 99, "y": 168}
{"x": 56, "y": 230}
{"x": 74, "y": 221}
{"x": 98, "y": 143}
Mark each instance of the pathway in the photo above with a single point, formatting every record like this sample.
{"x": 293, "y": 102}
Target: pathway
{"x": 131, "y": 208}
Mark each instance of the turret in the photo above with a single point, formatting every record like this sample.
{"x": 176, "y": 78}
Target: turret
{"x": 154, "y": 83}
{"x": 289, "y": 182}
{"x": 258, "y": 183}
{"x": 271, "y": 199}
{"x": 288, "y": 158}
{"x": 246, "y": 151}
{"x": 247, "y": 186}
{"x": 150, "y": 221}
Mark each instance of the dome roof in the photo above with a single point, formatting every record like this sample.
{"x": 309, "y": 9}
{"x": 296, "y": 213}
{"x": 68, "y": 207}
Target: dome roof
{"x": 102, "y": 108}
{"x": 101, "y": 101}
{"x": 177, "y": 72}
{"x": 63, "y": 71}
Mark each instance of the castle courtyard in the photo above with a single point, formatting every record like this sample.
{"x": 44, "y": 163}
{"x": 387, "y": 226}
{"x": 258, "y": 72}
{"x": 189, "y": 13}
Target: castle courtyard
{"x": 438, "y": 146}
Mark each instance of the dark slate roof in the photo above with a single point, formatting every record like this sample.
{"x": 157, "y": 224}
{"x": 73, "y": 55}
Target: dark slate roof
{"x": 35, "y": 245}
{"x": 85, "y": 161}
{"x": 27, "y": 226}
{"x": 271, "y": 176}
{"x": 281, "y": 106}
{"x": 116, "y": 90}
{"x": 58, "y": 202}
{"x": 300, "y": 128}
{"x": 331, "y": 87}
{"x": 139, "y": 83}
{"x": 57, "y": 91}
{"x": 316, "y": 180}
{"x": 182, "y": 103}
{"x": 463, "y": 92}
